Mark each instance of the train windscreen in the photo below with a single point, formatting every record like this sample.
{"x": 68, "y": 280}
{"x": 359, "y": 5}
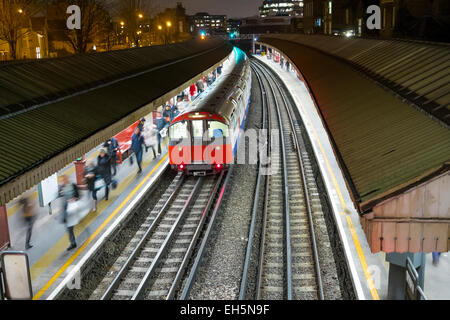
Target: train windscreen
{"x": 178, "y": 130}
{"x": 217, "y": 129}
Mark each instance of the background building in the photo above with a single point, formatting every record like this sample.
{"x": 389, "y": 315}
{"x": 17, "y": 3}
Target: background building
{"x": 211, "y": 24}
{"x": 292, "y": 8}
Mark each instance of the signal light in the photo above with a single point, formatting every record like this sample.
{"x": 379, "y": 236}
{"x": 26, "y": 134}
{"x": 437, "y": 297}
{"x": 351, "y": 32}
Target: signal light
{"x": 181, "y": 166}
{"x": 218, "y": 166}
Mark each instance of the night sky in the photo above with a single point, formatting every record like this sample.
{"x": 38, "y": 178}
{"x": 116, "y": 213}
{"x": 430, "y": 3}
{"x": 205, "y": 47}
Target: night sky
{"x": 232, "y": 8}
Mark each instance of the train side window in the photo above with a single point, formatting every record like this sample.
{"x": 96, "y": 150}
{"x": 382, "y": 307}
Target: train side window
{"x": 197, "y": 128}
{"x": 178, "y": 130}
{"x": 217, "y": 129}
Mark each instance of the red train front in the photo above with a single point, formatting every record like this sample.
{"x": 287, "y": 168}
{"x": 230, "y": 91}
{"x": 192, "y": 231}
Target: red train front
{"x": 199, "y": 143}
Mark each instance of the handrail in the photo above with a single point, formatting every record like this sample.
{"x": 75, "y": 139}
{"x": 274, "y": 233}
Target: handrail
{"x": 411, "y": 271}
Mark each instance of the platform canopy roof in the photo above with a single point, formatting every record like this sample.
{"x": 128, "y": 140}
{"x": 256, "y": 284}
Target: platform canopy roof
{"x": 385, "y": 146}
{"x": 55, "y": 110}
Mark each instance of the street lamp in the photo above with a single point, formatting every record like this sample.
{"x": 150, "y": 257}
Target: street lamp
{"x": 169, "y": 24}
{"x": 140, "y": 15}
{"x": 160, "y": 27}
{"x": 20, "y": 11}
{"x": 122, "y": 23}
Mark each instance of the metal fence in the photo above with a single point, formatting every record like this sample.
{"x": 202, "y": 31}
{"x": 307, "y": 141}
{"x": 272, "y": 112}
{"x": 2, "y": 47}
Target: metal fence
{"x": 413, "y": 289}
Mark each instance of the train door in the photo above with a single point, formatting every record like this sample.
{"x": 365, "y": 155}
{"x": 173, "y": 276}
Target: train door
{"x": 179, "y": 143}
{"x": 197, "y": 145}
{"x": 218, "y": 149}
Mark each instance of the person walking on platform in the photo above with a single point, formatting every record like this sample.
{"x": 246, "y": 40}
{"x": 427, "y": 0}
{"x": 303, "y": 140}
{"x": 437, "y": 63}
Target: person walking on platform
{"x": 90, "y": 174}
{"x": 167, "y": 113}
{"x": 435, "y": 256}
{"x": 112, "y": 147}
{"x": 141, "y": 126}
{"x": 200, "y": 86}
{"x": 174, "y": 112}
{"x": 28, "y": 217}
{"x": 160, "y": 125}
{"x": 288, "y": 66}
{"x": 181, "y": 105}
{"x": 104, "y": 169}
{"x": 69, "y": 192}
{"x": 149, "y": 134}
{"x": 192, "y": 90}
{"x": 137, "y": 141}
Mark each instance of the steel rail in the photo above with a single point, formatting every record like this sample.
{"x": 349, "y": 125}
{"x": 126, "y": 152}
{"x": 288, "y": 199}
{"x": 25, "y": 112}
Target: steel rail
{"x": 286, "y": 194}
{"x": 305, "y": 189}
{"x": 116, "y": 281}
{"x": 266, "y": 202}
{"x": 248, "y": 254}
{"x": 193, "y": 243}
{"x": 157, "y": 259}
{"x": 194, "y": 270}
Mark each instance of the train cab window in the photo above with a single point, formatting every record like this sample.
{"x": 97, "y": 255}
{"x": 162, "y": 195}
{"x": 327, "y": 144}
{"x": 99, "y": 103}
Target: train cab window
{"x": 197, "y": 128}
{"x": 217, "y": 129}
{"x": 178, "y": 130}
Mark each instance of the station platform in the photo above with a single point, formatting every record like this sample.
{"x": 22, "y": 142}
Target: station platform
{"x": 50, "y": 263}
{"x": 369, "y": 271}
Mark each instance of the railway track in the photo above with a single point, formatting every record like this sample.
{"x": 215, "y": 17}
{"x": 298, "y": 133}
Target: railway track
{"x": 288, "y": 266}
{"x": 155, "y": 262}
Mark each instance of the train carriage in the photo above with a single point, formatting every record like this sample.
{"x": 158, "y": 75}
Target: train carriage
{"x": 203, "y": 139}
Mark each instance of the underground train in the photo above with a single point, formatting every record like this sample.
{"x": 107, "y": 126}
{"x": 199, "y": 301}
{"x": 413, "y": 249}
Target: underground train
{"x": 204, "y": 138}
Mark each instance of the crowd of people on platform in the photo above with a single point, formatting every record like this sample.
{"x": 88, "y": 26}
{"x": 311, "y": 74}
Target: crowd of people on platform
{"x": 100, "y": 173}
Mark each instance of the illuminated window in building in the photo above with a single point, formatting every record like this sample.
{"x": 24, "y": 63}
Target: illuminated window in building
{"x": 38, "y": 52}
{"x": 359, "y": 26}
{"x": 329, "y": 7}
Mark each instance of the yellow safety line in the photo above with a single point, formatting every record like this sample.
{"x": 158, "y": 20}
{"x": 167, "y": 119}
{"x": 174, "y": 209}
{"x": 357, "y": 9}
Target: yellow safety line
{"x": 355, "y": 238}
{"x": 94, "y": 235}
{"x": 53, "y": 253}
{"x": 372, "y": 288}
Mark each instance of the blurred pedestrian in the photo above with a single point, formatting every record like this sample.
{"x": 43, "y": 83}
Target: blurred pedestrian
{"x": 436, "y": 256}
{"x": 90, "y": 175}
{"x": 112, "y": 147}
{"x": 141, "y": 126}
{"x": 149, "y": 135}
{"x": 167, "y": 113}
{"x": 69, "y": 193}
{"x": 192, "y": 90}
{"x": 219, "y": 70}
{"x": 181, "y": 105}
{"x": 104, "y": 169}
{"x": 28, "y": 217}
{"x": 200, "y": 86}
{"x": 137, "y": 141}
{"x": 161, "y": 123}
{"x": 174, "y": 112}
{"x": 288, "y": 66}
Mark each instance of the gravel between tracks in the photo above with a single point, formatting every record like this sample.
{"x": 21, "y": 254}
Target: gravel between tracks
{"x": 219, "y": 277}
